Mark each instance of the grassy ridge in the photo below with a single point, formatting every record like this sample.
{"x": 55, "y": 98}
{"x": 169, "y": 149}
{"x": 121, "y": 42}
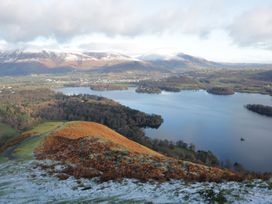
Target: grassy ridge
{"x": 24, "y": 148}
{"x": 77, "y": 130}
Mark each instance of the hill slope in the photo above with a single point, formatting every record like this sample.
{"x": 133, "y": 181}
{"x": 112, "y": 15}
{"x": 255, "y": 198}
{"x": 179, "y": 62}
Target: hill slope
{"x": 78, "y": 130}
{"x": 91, "y": 150}
{"x": 20, "y": 62}
{"x": 88, "y": 149}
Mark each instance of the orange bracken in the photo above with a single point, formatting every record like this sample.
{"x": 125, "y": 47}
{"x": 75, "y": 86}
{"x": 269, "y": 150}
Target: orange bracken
{"x": 76, "y": 130}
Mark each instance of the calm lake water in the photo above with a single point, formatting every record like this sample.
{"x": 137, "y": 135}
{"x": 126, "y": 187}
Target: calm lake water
{"x": 210, "y": 122}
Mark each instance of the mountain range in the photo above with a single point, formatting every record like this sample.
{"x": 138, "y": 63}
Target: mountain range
{"x": 20, "y": 62}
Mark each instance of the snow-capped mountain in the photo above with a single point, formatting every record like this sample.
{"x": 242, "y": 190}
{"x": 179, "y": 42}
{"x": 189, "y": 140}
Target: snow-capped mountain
{"x": 23, "y": 62}
{"x": 53, "y": 59}
{"x": 179, "y": 57}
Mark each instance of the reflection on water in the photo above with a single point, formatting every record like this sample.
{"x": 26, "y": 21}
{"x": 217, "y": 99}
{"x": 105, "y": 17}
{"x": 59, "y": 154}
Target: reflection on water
{"x": 210, "y": 122}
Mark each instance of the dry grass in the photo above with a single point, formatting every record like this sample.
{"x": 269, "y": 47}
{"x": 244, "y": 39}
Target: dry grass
{"x": 77, "y": 130}
{"x": 95, "y": 150}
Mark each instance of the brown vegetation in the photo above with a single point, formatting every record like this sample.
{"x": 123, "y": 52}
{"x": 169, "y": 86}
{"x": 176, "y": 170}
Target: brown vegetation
{"x": 92, "y": 150}
{"x": 77, "y": 130}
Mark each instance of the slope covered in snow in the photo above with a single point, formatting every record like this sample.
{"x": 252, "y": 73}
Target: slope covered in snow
{"x": 60, "y": 59}
{"x": 29, "y": 184}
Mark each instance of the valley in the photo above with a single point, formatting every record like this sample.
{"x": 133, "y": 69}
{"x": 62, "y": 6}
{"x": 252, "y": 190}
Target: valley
{"x": 154, "y": 102}
{"x": 45, "y": 130}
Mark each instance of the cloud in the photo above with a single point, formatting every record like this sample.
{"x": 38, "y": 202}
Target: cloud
{"x": 25, "y": 20}
{"x": 53, "y": 23}
{"x": 253, "y": 28}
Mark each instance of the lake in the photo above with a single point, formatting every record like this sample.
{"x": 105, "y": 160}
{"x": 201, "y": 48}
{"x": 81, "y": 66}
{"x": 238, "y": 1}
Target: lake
{"x": 210, "y": 122}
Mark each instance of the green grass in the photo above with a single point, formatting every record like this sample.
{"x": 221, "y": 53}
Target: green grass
{"x": 183, "y": 151}
{"x": 6, "y": 133}
{"x": 3, "y": 159}
{"x": 25, "y": 150}
{"x": 45, "y": 127}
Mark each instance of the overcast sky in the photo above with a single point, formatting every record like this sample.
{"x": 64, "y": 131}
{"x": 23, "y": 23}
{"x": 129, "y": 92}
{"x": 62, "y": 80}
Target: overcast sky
{"x": 220, "y": 30}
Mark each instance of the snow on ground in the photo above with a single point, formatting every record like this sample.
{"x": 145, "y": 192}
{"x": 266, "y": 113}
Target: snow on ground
{"x": 21, "y": 183}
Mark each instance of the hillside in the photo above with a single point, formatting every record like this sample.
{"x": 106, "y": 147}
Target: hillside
{"x": 53, "y": 59}
{"x": 23, "y": 62}
{"x": 20, "y": 62}
{"x": 90, "y": 149}
{"x": 79, "y": 130}
{"x": 85, "y": 150}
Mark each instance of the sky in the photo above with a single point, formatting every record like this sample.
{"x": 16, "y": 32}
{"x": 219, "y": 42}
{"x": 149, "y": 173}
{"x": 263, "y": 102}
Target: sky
{"x": 218, "y": 30}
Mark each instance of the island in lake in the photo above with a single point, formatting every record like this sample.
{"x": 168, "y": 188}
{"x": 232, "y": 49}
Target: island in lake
{"x": 150, "y": 90}
{"x": 260, "y": 109}
{"x": 107, "y": 87}
{"x": 220, "y": 91}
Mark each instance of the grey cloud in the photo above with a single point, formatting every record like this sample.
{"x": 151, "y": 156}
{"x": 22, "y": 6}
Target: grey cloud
{"x": 253, "y": 28}
{"x": 24, "y": 20}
